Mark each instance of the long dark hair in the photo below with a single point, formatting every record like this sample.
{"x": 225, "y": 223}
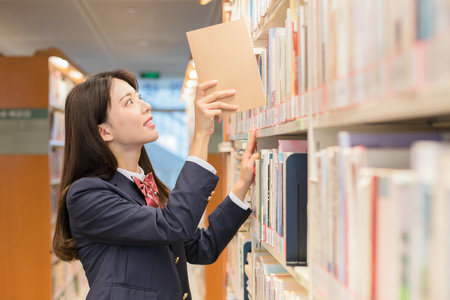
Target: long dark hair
{"x": 85, "y": 153}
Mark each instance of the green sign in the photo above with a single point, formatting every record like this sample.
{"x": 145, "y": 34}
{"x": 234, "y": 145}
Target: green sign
{"x": 24, "y": 131}
{"x": 23, "y": 114}
{"x": 150, "y": 75}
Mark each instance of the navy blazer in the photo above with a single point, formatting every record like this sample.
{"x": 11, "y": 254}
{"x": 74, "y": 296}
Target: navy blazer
{"x": 131, "y": 251}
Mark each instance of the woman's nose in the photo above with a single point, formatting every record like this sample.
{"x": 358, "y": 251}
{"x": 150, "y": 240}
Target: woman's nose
{"x": 147, "y": 107}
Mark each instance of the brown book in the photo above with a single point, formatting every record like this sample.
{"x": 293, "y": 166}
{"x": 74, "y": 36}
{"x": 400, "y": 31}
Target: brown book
{"x": 224, "y": 52}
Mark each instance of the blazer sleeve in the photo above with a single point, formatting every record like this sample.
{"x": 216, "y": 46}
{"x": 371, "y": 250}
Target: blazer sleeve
{"x": 99, "y": 213}
{"x": 206, "y": 244}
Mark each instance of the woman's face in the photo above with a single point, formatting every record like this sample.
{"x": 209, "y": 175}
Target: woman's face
{"x": 129, "y": 117}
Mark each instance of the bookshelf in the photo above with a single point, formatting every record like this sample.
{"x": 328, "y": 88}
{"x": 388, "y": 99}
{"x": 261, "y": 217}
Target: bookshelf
{"x": 301, "y": 274}
{"x": 69, "y": 281}
{"x": 34, "y": 90}
{"x": 391, "y": 87}
{"x": 275, "y": 16}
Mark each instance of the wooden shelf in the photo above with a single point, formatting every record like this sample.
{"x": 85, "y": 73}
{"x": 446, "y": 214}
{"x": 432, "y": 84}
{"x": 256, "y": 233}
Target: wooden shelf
{"x": 301, "y": 274}
{"x": 434, "y": 101}
{"x": 275, "y": 17}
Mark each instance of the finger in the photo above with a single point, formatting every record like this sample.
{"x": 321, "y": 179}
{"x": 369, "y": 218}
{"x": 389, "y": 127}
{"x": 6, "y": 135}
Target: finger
{"x": 215, "y": 113}
{"x": 202, "y": 87}
{"x": 251, "y": 143}
{"x": 219, "y": 95}
{"x": 222, "y": 105}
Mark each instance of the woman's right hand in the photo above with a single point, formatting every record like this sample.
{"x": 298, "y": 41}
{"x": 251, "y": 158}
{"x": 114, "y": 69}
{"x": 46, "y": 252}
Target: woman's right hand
{"x": 209, "y": 107}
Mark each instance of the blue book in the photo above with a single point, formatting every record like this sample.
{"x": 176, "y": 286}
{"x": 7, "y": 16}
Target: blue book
{"x": 426, "y": 18}
{"x": 247, "y": 247}
{"x": 296, "y": 197}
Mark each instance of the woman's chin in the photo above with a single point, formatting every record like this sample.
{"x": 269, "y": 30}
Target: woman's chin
{"x": 154, "y": 137}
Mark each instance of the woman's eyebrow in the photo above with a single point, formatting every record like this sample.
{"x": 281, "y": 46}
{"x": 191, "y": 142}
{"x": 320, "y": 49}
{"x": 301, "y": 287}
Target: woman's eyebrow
{"x": 127, "y": 94}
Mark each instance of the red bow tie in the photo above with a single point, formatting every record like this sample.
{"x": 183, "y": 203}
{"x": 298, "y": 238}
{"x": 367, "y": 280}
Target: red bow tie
{"x": 149, "y": 189}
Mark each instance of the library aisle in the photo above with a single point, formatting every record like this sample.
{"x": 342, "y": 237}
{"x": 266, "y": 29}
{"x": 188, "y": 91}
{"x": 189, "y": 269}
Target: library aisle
{"x": 351, "y": 194}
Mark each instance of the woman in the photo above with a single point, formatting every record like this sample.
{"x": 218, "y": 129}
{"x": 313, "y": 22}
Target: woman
{"x": 132, "y": 235}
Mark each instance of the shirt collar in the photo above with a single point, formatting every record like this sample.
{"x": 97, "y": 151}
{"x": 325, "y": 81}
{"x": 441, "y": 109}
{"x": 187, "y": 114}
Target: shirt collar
{"x": 130, "y": 175}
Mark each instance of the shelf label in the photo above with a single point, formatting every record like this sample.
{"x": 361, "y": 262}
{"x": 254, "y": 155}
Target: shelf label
{"x": 24, "y": 131}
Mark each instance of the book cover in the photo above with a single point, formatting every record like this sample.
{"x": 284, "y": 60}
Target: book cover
{"x": 295, "y": 182}
{"x": 224, "y": 52}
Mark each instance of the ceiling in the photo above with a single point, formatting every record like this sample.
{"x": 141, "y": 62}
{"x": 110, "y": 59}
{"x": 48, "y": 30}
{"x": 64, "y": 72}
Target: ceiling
{"x": 97, "y": 35}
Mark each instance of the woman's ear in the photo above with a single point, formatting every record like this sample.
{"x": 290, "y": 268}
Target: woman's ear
{"x": 105, "y": 132}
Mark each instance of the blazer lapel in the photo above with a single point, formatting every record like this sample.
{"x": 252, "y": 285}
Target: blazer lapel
{"x": 128, "y": 187}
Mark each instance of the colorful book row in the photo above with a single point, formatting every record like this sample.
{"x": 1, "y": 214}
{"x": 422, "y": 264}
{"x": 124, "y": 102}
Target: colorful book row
{"x": 279, "y": 200}
{"x": 379, "y": 220}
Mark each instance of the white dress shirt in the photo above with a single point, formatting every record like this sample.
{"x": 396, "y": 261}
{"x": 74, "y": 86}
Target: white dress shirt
{"x": 194, "y": 159}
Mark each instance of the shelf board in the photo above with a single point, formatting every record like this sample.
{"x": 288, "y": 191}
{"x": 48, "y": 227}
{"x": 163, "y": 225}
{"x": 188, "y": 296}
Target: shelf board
{"x": 275, "y": 17}
{"x": 56, "y": 143}
{"x": 433, "y": 101}
{"x": 301, "y": 274}
{"x": 292, "y": 127}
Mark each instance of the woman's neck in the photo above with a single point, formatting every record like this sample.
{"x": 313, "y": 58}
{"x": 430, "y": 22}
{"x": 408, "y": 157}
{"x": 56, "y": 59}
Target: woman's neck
{"x": 127, "y": 159}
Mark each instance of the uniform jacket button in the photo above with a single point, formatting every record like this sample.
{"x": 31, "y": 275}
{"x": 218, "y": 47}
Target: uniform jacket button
{"x": 177, "y": 259}
{"x": 185, "y": 295}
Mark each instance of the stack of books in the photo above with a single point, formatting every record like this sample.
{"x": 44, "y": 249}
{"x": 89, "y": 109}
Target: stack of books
{"x": 282, "y": 65}
{"x": 381, "y": 219}
{"x": 279, "y": 200}
{"x": 273, "y": 282}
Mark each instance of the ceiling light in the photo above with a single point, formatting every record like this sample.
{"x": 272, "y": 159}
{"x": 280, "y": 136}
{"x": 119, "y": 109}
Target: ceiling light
{"x": 59, "y": 62}
{"x": 204, "y": 2}
{"x": 75, "y": 74}
{"x": 191, "y": 83}
{"x": 193, "y": 74}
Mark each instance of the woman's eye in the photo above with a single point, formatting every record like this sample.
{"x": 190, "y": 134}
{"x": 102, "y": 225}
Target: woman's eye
{"x": 129, "y": 101}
